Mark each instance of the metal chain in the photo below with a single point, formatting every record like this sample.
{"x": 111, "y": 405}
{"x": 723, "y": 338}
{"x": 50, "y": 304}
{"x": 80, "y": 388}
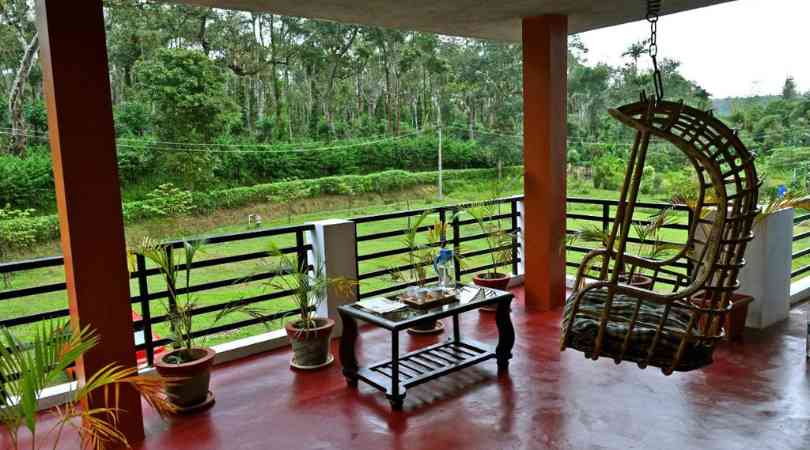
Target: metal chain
{"x": 653, "y": 9}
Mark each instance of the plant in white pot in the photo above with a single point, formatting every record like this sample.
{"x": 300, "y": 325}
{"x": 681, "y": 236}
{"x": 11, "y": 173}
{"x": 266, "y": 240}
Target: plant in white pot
{"x": 309, "y": 334}
{"x": 188, "y": 363}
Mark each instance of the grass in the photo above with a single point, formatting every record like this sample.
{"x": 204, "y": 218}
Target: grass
{"x": 220, "y": 222}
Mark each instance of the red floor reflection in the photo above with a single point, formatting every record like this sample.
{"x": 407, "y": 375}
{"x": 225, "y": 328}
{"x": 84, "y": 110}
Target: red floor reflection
{"x": 756, "y": 396}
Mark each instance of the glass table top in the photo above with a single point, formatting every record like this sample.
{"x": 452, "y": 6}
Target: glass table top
{"x": 466, "y": 296}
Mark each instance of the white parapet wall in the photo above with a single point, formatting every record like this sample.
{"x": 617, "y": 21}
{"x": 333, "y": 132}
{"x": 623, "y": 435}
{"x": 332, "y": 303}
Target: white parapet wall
{"x": 334, "y": 245}
{"x": 766, "y": 275}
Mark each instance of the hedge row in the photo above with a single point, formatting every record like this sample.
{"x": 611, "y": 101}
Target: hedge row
{"x": 47, "y": 227}
{"x": 144, "y": 163}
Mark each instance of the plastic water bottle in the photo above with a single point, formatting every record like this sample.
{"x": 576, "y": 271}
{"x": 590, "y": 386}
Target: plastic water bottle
{"x": 443, "y": 265}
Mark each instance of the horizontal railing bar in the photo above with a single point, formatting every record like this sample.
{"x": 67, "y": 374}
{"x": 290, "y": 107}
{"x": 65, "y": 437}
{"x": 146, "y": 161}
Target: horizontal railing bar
{"x": 30, "y": 264}
{"x": 478, "y": 236}
{"x": 222, "y": 260}
{"x": 242, "y": 235}
{"x": 388, "y": 234}
{"x": 800, "y": 219}
{"x": 801, "y": 254}
{"x": 493, "y": 218}
{"x": 643, "y": 205}
{"x": 434, "y": 210}
{"x": 223, "y": 328}
{"x": 34, "y": 318}
{"x": 800, "y": 271}
{"x": 488, "y": 251}
{"x": 215, "y": 285}
{"x": 232, "y": 304}
{"x": 392, "y": 252}
{"x": 801, "y": 236}
{"x": 36, "y": 290}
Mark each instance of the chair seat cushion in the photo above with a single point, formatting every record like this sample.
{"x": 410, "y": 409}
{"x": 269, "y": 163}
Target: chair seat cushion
{"x": 585, "y": 327}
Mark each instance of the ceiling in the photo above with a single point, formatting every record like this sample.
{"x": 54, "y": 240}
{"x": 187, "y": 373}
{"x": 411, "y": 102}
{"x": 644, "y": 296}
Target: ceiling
{"x": 488, "y": 19}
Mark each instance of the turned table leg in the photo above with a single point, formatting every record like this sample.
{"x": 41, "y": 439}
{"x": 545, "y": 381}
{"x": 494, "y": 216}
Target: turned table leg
{"x": 347, "y": 343}
{"x": 506, "y": 333}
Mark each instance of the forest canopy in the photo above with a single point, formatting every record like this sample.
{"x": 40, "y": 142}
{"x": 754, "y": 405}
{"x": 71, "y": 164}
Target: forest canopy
{"x": 210, "y": 98}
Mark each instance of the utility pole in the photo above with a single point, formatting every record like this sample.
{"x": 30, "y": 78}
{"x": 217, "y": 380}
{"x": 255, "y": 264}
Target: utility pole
{"x": 439, "y": 126}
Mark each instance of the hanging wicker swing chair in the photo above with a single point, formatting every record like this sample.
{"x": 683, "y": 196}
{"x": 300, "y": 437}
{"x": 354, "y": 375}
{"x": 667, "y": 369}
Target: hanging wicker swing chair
{"x": 669, "y": 328}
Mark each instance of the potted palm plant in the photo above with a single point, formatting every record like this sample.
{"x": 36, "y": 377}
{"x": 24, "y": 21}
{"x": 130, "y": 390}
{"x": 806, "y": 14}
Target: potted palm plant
{"x": 499, "y": 241}
{"x": 418, "y": 260}
{"x": 28, "y": 368}
{"x": 650, "y": 244}
{"x": 309, "y": 335}
{"x": 187, "y": 362}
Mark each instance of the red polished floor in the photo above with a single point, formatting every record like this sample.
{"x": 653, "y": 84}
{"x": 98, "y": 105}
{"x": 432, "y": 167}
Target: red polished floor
{"x": 756, "y": 396}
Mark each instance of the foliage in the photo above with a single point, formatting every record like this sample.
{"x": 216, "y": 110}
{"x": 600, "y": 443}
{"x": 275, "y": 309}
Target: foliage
{"x": 168, "y": 200}
{"x": 500, "y": 241}
{"x": 788, "y": 201}
{"x": 176, "y": 268}
{"x": 648, "y": 231}
{"x": 308, "y": 287}
{"x": 27, "y": 368}
{"x": 420, "y": 255}
{"x": 131, "y": 118}
{"x": 188, "y": 92}
{"x": 608, "y": 172}
{"x": 17, "y": 232}
{"x": 26, "y": 183}
{"x": 47, "y": 227}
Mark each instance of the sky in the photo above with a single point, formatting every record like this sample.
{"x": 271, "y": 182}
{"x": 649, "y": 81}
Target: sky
{"x": 740, "y": 48}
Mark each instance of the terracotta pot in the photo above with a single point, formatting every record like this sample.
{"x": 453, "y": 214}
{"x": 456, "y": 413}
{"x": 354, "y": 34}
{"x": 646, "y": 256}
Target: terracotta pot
{"x": 735, "y": 319}
{"x": 310, "y": 345}
{"x": 193, "y": 377}
{"x": 492, "y": 280}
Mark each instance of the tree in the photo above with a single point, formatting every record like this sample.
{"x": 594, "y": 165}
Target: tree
{"x": 789, "y": 91}
{"x": 188, "y": 93}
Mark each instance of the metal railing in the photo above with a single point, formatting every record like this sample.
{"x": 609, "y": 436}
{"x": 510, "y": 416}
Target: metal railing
{"x": 798, "y": 240}
{"x": 453, "y": 235}
{"x": 375, "y": 250}
{"x": 604, "y": 219}
{"x": 144, "y": 294}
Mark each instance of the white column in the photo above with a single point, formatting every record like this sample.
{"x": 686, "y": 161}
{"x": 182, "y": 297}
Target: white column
{"x": 766, "y": 275}
{"x": 518, "y": 278}
{"x": 334, "y": 245}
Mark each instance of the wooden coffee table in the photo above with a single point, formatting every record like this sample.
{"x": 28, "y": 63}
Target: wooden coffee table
{"x": 396, "y": 375}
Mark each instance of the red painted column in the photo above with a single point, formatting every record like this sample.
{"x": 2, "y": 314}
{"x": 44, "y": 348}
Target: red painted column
{"x": 82, "y": 137}
{"x": 545, "y": 41}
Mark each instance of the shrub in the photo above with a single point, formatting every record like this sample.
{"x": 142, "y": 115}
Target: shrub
{"x": 131, "y": 118}
{"x": 608, "y": 172}
{"x": 27, "y": 182}
{"x": 168, "y": 200}
{"x": 17, "y": 232}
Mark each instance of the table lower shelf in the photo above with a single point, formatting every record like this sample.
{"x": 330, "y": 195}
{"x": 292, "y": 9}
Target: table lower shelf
{"x": 425, "y": 364}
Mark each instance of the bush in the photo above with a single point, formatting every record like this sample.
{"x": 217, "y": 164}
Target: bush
{"x": 168, "y": 200}
{"x": 608, "y": 172}
{"x": 28, "y": 182}
{"x": 131, "y": 119}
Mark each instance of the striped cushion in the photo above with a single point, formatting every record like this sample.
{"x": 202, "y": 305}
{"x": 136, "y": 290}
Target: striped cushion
{"x": 584, "y": 330}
